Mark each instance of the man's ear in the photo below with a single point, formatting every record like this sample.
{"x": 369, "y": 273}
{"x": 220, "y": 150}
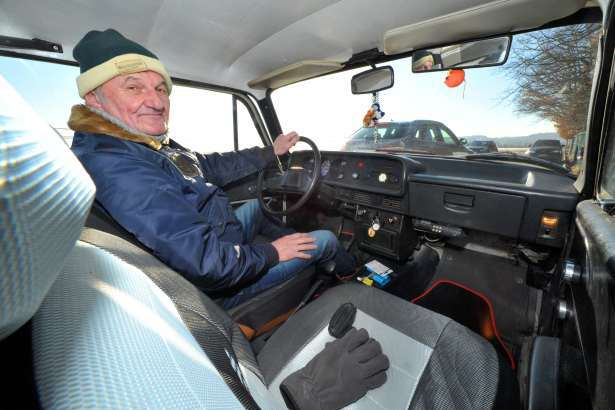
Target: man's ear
{"x": 92, "y": 100}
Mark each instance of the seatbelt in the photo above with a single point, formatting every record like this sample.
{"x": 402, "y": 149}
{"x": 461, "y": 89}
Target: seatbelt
{"x": 195, "y": 308}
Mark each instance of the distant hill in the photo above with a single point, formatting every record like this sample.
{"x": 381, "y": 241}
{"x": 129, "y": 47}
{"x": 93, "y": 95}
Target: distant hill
{"x": 517, "y": 142}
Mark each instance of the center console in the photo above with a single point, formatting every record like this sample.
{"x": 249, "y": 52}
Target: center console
{"x": 370, "y": 188}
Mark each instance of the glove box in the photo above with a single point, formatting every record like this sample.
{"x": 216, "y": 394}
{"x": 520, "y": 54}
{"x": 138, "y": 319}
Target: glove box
{"x": 485, "y": 211}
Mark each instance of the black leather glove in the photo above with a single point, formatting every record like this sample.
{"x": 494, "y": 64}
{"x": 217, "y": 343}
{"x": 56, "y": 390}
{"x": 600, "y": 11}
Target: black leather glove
{"x": 339, "y": 375}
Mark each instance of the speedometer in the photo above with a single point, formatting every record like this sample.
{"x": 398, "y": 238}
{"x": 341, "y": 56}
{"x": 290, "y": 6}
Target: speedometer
{"x": 325, "y": 167}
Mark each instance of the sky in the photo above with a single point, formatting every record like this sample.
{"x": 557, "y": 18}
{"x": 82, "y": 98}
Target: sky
{"x": 325, "y": 108}
{"x": 322, "y": 109}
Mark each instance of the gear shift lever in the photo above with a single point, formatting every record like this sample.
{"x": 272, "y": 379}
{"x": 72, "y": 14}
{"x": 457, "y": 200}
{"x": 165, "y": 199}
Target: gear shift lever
{"x": 327, "y": 268}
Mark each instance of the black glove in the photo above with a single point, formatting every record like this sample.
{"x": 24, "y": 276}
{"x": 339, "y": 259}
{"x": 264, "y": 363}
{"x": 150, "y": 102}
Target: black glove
{"x": 339, "y": 375}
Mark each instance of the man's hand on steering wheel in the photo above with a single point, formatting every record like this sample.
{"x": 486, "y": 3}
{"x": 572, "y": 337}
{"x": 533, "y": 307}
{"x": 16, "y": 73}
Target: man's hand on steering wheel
{"x": 284, "y": 142}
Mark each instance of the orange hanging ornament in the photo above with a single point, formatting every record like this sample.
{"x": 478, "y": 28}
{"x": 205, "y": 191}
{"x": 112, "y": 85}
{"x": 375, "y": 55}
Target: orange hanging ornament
{"x": 455, "y": 78}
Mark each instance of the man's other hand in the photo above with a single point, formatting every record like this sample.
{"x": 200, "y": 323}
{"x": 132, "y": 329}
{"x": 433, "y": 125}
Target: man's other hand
{"x": 293, "y": 246}
{"x": 284, "y": 142}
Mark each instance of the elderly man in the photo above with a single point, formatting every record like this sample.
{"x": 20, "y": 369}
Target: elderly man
{"x": 171, "y": 198}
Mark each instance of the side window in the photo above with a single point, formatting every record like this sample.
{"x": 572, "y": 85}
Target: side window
{"x": 435, "y": 134}
{"x": 607, "y": 185}
{"x": 393, "y": 132}
{"x": 247, "y": 134}
{"x": 428, "y": 135}
{"x": 447, "y": 138}
{"x": 202, "y": 120}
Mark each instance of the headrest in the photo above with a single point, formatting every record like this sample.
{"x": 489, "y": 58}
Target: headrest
{"x": 45, "y": 196}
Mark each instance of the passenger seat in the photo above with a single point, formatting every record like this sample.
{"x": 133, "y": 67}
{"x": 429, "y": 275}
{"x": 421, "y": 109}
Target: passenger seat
{"x": 113, "y": 327}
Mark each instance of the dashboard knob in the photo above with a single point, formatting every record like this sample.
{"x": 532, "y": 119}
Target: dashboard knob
{"x": 376, "y": 224}
{"x": 355, "y": 175}
{"x": 382, "y": 177}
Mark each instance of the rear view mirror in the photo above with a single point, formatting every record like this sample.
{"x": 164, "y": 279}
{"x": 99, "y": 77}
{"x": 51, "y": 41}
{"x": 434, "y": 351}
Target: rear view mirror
{"x": 480, "y": 53}
{"x": 371, "y": 81}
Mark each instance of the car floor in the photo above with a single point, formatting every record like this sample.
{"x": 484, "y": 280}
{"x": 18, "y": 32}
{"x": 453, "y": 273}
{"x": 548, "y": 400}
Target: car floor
{"x": 502, "y": 281}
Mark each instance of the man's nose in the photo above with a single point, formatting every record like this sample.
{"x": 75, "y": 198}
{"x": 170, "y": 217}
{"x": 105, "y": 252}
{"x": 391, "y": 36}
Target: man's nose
{"x": 154, "y": 100}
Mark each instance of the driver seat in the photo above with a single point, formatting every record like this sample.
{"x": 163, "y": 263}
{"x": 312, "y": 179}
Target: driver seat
{"x": 257, "y": 314}
{"x": 113, "y": 327}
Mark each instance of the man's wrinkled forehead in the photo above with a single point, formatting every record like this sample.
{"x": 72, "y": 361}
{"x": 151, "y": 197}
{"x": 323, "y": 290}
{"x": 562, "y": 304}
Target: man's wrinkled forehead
{"x": 143, "y": 78}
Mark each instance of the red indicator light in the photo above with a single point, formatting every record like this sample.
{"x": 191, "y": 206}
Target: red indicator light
{"x": 361, "y": 164}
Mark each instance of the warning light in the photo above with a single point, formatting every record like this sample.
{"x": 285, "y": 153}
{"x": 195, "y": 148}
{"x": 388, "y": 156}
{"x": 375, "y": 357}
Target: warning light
{"x": 550, "y": 221}
{"x": 361, "y": 164}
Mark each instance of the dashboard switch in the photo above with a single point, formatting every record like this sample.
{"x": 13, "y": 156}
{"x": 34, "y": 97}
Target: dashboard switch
{"x": 355, "y": 175}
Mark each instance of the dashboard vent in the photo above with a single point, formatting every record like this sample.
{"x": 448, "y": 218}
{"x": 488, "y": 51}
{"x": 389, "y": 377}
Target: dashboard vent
{"x": 392, "y": 203}
{"x": 366, "y": 199}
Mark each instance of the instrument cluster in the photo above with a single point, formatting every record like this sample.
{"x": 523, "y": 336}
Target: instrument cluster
{"x": 384, "y": 174}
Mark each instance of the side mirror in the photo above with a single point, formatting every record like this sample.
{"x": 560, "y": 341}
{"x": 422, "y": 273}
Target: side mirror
{"x": 371, "y": 81}
{"x": 463, "y": 141}
{"x": 480, "y": 53}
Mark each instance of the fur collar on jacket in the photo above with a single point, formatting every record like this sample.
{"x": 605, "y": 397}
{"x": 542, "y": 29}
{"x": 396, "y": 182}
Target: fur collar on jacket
{"x": 85, "y": 119}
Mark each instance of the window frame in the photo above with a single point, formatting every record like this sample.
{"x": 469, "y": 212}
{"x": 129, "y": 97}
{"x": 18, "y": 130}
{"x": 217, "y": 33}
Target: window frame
{"x": 249, "y": 100}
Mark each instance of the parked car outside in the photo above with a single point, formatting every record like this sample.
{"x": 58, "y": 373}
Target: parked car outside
{"x": 482, "y": 146}
{"x": 550, "y": 150}
{"x": 574, "y": 152}
{"x": 430, "y": 137}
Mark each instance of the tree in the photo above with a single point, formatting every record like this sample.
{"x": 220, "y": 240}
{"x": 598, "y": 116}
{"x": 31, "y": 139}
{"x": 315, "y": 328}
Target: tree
{"x": 552, "y": 73}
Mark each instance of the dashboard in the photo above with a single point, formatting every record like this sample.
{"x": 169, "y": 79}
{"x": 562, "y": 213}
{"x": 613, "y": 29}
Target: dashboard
{"x": 393, "y": 196}
{"x": 361, "y": 171}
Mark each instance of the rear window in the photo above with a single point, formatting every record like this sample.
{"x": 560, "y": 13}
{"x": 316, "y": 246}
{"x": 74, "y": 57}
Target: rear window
{"x": 479, "y": 143}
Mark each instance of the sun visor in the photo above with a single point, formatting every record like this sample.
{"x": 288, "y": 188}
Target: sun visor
{"x": 293, "y": 73}
{"x": 496, "y": 17}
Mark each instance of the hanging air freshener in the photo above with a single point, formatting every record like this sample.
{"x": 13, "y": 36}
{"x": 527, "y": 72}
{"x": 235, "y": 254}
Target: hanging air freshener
{"x": 370, "y": 119}
{"x": 454, "y": 78}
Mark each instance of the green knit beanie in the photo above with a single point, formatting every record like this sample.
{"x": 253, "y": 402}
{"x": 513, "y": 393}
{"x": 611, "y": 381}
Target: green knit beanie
{"x": 103, "y": 55}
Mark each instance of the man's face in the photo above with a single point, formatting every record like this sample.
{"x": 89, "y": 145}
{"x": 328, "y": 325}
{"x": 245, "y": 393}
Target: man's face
{"x": 139, "y": 100}
{"x": 424, "y": 66}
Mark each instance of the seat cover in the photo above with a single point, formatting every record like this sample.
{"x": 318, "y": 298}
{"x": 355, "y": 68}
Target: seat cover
{"x": 107, "y": 337}
{"x": 45, "y": 196}
{"x": 454, "y": 367}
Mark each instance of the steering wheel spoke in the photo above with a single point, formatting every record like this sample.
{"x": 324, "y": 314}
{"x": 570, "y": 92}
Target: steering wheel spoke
{"x": 295, "y": 181}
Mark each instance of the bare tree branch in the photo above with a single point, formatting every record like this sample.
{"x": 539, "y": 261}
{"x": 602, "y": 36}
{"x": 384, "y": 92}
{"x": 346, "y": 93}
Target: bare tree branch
{"x": 551, "y": 74}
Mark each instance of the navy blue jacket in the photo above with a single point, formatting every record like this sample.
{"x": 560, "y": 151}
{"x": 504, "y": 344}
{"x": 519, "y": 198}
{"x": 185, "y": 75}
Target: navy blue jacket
{"x": 176, "y": 208}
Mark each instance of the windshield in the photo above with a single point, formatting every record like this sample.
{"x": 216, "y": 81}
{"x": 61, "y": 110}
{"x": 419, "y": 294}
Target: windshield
{"x": 538, "y": 98}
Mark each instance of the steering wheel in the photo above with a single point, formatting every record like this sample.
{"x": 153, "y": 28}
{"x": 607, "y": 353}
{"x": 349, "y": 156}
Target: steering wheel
{"x": 292, "y": 181}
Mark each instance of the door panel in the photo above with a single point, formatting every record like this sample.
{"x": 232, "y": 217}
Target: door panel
{"x": 593, "y": 300}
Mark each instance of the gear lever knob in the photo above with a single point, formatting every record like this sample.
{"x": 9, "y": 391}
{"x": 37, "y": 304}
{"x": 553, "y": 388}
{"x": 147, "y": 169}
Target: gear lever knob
{"x": 342, "y": 320}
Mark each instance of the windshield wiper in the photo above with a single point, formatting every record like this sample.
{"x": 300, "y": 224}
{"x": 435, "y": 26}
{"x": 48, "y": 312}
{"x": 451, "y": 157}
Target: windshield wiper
{"x": 511, "y": 156}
